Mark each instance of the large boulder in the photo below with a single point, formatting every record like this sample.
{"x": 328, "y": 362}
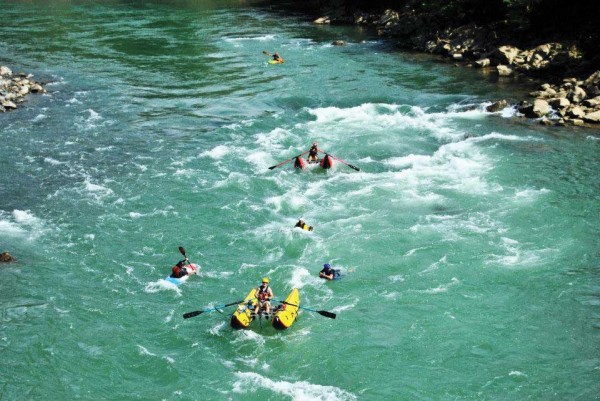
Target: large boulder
{"x": 503, "y": 70}
{"x": 506, "y": 54}
{"x": 538, "y": 109}
{"x": 6, "y": 257}
{"x": 592, "y": 117}
{"x": 576, "y": 94}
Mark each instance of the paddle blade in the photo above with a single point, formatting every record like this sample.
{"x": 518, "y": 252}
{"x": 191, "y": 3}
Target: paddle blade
{"x": 330, "y": 315}
{"x": 192, "y": 314}
{"x": 181, "y": 250}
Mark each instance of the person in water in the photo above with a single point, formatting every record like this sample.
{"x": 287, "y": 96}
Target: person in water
{"x": 328, "y": 273}
{"x": 302, "y": 224}
{"x": 313, "y": 153}
{"x": 264, "y": 295}
{"x": 179, "y": 269}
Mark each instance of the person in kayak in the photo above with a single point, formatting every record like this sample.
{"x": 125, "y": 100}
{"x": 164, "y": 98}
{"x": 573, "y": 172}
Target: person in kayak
{"x": 277, "y": 57}
{"x": 328, "y": 273}
{"x": 264, "y": 295}
{"x": 179, "y": 269}
{"x": 313, "y": 153}
{"x": 303, "y": 225}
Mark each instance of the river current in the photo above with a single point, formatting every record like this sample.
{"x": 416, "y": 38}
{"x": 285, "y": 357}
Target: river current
{"x": 468, "y": 240}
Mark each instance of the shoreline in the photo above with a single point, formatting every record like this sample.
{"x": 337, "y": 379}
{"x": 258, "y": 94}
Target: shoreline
{"x": 565, "y": 81}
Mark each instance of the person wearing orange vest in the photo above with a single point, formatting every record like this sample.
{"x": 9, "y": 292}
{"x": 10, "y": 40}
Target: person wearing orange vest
{"x": 264, "y": 295}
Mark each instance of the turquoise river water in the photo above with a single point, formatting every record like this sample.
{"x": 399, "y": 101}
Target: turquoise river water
{"x": 469, "y": 240}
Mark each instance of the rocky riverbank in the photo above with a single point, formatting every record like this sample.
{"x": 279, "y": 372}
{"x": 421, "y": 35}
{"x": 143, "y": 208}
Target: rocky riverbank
{"x": 568, "y": 91}
{"x": 15, "y": 88}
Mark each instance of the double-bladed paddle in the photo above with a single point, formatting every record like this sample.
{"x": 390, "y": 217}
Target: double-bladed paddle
{"x": 182, "y": 251}
{"x": 346, "y": 163}
{"x": 325, "y": 313}
{"x": 198, "y": 312}
{"x": 288, "y": 160}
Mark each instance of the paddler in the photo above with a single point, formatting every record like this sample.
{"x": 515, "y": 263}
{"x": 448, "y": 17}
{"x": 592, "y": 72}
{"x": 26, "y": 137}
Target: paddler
{"x": 313, "y": 153}
{"x": 277, "y": 57}
{"x": 303, "y": 225}
{"x": 264, "y": 295}
{"x": 179, "y": 269}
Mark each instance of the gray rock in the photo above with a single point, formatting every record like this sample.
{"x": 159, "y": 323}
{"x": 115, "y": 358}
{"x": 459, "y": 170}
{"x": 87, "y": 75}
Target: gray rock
{"x": 593, "y": 117}
{"x": 576, "y": 94}
{"x": 559, "y": 102}
{"x": 538, "y": 109}
{"x": 576, "y": 112}
{"x": 507, "y": 54}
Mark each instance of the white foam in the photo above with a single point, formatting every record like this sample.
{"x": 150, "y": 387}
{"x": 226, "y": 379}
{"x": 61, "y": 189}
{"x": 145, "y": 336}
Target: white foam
{"x": 52, "y": 161}
{"x": 260, "y": 38}
{"x": 217, "y": 152}
{"x": 442, "y": 288}
{"x": 297, "y": 391}
{"x": 25, "y": 217}
{"x": 161, "y": 285}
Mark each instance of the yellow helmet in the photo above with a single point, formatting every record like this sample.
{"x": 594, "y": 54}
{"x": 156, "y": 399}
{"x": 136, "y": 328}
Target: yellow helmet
{"x": 265, "y": 280}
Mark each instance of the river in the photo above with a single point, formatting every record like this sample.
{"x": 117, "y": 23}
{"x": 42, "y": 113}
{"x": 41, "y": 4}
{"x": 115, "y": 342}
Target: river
{"x": 468, "y": 240}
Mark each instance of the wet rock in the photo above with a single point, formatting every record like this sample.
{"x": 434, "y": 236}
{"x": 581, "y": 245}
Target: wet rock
{"x": 484, "y": 62}
{"x": 338, "y": 43}
{"x": 322, "y": 20}
{"x": 538, "y": 109}
{"x": 497, "y": 106}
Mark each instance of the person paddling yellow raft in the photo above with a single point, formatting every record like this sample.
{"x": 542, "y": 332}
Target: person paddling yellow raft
{"x": 275, "y": 58}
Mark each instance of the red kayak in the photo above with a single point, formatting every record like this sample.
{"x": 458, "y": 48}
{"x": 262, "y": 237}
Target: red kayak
{"x": 326, "y": 162}
{"x": 299, "y": 163}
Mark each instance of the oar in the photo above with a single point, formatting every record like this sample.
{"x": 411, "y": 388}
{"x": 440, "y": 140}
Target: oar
{"x": 266, "y": 53}
{"x": 346, "y": 163}
{"x": 330, "y": 315}
{"x": 198, "y": 312}
{"x": 288, "y": 160}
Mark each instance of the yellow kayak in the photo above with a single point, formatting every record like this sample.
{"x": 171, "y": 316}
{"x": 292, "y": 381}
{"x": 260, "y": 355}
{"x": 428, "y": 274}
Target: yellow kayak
{"x": 244, "y": 315}
{"x": 286, "y": 313}
{"x": 280, "y": 61}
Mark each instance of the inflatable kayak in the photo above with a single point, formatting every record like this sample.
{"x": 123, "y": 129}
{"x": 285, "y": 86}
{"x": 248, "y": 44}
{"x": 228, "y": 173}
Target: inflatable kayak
{"x": 299, "y": 163}
{"x": 286, "y": 313}
{"x": 192, "y": 268}
{"x": 326, "y": 162}
{"x": 244, "y": 314}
